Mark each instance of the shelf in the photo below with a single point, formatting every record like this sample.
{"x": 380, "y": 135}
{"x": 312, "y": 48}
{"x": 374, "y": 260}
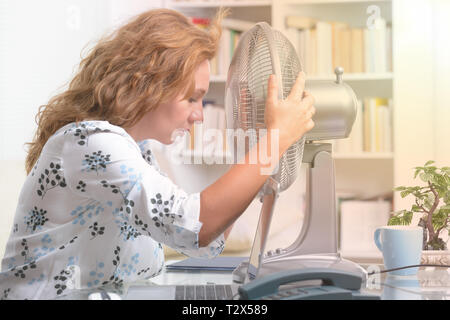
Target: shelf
{"x": 300, "y": 2}
{"x": 218, "y": 78}
{"x": 365, "y": 156}
{"x": 346, "y": 77}
{"x": 354, "y": 76}
{"x": 220, "y": 3}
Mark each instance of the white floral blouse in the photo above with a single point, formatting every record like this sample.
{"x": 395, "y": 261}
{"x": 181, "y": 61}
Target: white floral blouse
{"x": 93, "y": 212}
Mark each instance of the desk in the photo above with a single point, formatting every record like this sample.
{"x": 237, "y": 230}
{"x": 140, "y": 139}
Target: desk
{"x": 429, "y": 284}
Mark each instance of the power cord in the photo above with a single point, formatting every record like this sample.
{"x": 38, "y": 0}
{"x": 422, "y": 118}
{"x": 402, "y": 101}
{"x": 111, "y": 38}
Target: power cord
{"x": 412, "y": 266}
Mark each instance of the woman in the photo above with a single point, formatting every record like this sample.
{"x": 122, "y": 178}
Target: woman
{"x": 95, "y": 207}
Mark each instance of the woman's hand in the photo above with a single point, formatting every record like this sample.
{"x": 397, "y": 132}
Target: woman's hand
{"x": 292, "y": 116}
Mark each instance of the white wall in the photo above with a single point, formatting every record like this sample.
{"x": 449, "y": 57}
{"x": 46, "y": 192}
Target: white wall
{"x": 441, "y": 68}
{"x": 422, "y": 78}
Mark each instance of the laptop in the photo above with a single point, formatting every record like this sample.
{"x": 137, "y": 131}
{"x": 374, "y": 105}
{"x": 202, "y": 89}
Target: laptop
{"x": 213, "y": 291}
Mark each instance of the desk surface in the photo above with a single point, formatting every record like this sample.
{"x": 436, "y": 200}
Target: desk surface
{"x": 430, "y": 283}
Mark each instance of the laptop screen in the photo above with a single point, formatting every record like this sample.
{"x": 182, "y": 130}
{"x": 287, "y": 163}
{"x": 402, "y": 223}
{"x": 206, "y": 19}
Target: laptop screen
{"x": 262, "y": 232}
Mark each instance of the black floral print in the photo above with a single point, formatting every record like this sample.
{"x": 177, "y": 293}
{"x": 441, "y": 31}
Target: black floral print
{"x": 69, "y": 243}
{"x": 115, "y": 189}
{"x": 51, "y": 178}
{"x": 36, "y": 219}
{"x": 144, "y": 226}
{"x": 5, "y": 294}
{"x": 96, "y": 161}
{"x": 147, "y": 155}
{"x": 61, "y": 280}
{"x": 39, "y": 253}
{"x": 115, "y": 279}
{"x": 83, "y": 131}
{"x": 25, "y": 252}
{"x": 162, "y": 216}
{"x": 96, "y": 230}
{"x": 20, "y": 271}
{"x": 128, "y": 230}
{"x": 143, "y": 271}
{"x": 34, "y": 168}
{"x": 81, "y": 186}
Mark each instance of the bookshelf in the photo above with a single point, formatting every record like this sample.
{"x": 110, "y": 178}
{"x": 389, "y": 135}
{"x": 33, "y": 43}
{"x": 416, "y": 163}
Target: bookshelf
{"x": 364, "y": 155}
{"x": 365, "y": 84}
{"x": 351, "y": 77}
{"x": 218, "y": 3}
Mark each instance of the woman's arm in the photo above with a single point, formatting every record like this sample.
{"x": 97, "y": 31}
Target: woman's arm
{"x": 225, "y": 200}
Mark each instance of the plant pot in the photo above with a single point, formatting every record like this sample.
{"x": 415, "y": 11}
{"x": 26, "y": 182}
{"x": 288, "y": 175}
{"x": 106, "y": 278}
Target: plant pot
{"x": 439, "y": 257}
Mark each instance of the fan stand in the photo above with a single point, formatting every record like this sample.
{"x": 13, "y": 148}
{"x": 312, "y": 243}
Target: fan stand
{"x": 317, "y": 243}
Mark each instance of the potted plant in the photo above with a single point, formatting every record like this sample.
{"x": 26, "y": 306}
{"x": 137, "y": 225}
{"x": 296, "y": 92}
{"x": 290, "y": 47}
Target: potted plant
{"x": 432, "y": 201}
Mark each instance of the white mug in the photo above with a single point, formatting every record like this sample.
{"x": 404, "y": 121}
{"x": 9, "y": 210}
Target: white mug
{"x": 401, "y": 246}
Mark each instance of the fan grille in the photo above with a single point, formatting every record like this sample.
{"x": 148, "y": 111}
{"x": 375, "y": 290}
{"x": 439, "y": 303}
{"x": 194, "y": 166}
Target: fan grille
{"x": 246, "y": 89}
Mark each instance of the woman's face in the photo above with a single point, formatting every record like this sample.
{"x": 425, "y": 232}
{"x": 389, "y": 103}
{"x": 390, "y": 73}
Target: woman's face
{"x": 179, "y": 114}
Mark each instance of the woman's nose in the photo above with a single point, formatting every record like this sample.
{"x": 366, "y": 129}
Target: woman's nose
{"x": 197, "y": 115}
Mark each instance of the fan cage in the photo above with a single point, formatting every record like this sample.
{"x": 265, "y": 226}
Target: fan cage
{"x": 262, "y": 51}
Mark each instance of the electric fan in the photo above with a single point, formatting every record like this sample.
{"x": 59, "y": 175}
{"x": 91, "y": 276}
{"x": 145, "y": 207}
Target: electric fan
{"x": 263, "y": 51}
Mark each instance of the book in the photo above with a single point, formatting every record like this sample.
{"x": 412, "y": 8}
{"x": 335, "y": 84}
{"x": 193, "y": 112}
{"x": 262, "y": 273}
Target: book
{"x": 312, "y": 51}
{"x": 223, "y": 56}
{"x": 357, "y": 51}
{"x": 389, "y": 131}
{"x": 379, "y": 46}
{"x": 324, "y": 48}
{"x": 378, "y": 127}
{"x": 337, "y": 45}
{"x": 228, "y": 43}
{"x": 293, "y": 36}
{"x": 346, "y": 49}
{"x": 357, "y": 131}
{"x": 200, "y": 22}
{"x": 389, "y": 49}
{"x": 213, "y": 141}
{"x": 377, "y": 124}
{"x": 299, "y": 22}
{"x": 369, "y": 64}
{"x": 324, "y": 45}
{"x": 302, "y": 48}
{"x": 375, "y": 47}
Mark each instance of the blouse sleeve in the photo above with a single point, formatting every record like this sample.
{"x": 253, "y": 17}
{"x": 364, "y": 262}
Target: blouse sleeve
{"x": 110, "y": 168}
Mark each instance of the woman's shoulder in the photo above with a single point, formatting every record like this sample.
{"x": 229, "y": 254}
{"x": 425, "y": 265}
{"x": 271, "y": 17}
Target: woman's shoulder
{"x": 83, "y": 129}
{"x": 90, "y": 134}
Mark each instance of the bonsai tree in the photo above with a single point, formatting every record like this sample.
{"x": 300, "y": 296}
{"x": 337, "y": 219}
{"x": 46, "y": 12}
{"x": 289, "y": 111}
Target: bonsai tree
{"x": 432, "y": 200}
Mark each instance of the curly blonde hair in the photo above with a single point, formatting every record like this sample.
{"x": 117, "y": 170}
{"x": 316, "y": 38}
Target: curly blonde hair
{"x": 144, "y": 63}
